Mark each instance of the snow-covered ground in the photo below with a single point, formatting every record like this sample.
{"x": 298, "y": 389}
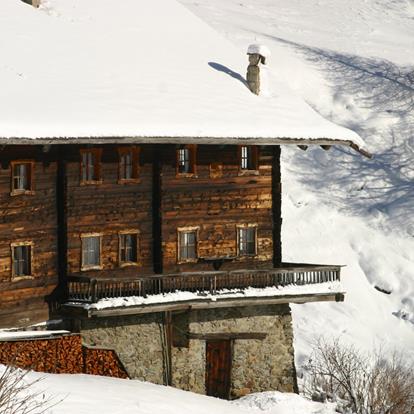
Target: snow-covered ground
{"x": 86, "y": 394}
{"x": 353, "y": 62}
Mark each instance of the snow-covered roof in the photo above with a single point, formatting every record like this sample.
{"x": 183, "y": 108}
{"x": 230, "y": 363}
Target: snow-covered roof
{"x": 138, "y": 71}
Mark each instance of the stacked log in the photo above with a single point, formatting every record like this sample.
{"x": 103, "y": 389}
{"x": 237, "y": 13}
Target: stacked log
{"x": 103, "y": 362}
{"x": 61, "y": 355}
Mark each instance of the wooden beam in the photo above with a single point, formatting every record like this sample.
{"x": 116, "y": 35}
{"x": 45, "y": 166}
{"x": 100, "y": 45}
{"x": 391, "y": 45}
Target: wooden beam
{"x": 227, "y": 335}
{"x": 72, "y": 310}
{"x": 276, "y": 208}
{"x": 156, "y": 210}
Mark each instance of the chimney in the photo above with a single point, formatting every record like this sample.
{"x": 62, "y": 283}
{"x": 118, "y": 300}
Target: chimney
{"x": 257, "y": 55}
{"x": 34, "y": 3}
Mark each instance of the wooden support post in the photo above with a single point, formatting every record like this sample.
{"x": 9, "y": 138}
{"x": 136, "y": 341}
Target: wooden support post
{"x": 156, "y": 210}
{"x": 61, "y": 206}
{"x": 276, "y": 207}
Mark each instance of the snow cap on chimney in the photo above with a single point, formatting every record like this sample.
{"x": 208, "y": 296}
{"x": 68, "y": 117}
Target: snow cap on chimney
{"x": 257, "y": 54}
{"x": 257, "y": 49}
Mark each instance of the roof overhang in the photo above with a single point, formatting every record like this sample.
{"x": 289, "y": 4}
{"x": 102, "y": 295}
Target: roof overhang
{"x": 204, "y": 140}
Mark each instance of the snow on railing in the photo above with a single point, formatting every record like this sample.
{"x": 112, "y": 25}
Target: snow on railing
{"x": 90, "y": 290}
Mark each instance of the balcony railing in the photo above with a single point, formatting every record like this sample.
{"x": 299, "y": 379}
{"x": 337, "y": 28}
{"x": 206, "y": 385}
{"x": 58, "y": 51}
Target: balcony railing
{"x": 90, "y": 290}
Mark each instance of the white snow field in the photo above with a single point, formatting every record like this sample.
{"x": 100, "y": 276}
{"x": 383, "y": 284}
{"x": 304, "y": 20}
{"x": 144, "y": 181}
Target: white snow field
{"x": 353, "y": 62}
{"x": 87, "y": 394}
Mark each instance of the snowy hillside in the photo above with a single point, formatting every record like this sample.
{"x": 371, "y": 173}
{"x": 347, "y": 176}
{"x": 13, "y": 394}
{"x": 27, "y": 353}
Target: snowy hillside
{"x": 353, "y": 62}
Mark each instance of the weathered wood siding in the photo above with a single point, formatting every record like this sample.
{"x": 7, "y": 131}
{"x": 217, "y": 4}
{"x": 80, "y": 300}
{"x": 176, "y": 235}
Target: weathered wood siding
{"x": 108, "y": 208}
{"x": 216, "y": 205}
{"x": 28, "y": 218}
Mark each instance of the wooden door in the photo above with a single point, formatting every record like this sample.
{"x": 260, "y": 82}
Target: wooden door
{"x": 218, "y": 368}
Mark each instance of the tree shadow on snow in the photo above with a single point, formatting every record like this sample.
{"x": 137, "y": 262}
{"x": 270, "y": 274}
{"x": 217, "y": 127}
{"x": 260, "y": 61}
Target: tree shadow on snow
{"x": 384, "y": 93}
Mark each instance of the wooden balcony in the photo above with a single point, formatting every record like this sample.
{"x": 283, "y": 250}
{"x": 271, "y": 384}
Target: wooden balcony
{"x": 91, "y": 290}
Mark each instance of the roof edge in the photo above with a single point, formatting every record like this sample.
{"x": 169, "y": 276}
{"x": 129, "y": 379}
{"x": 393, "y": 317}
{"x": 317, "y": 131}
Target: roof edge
{"x": 183, "y": 140}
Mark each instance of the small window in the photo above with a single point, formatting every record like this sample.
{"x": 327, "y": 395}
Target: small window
{"x": 91, "y": 166}
{"x": 128, "y": 248}
{"x": 22, "y": 177}
{"x": 187, "y": 244}
{"x": 22, "y": 259}
{"x": 91, "y": 251}
{"x": 246, "y": 240}
{"x": 248, "y": 158}
{"x": 186, "y": 160}
{"x": 128, "y": 164}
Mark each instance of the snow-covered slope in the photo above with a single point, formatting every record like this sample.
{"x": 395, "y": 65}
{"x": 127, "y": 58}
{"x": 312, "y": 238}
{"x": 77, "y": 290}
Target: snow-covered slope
{"x": 86, "y": 394}
{"x": 353, "y": 62}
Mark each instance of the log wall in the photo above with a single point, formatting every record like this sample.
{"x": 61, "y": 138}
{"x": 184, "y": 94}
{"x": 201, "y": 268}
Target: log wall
{"x": 108, "y": 208}
{"x": 28, "y": 217}
{"x": 216, "y": 199}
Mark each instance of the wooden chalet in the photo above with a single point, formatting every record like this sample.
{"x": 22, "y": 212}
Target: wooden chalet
{"x": 161, "y": 245}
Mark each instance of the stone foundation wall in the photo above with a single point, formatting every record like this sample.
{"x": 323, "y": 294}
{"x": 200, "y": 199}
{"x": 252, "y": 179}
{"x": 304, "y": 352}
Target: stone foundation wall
{"x": 140, "y": 342}
{"x": 137, "y": 340}
{"x": 257, "y": 364}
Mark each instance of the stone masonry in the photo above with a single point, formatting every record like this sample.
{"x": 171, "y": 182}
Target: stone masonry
{"x": 257, "y": 364}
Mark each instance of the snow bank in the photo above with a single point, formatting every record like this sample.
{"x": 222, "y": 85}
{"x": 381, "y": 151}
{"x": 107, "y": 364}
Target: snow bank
{"x": 149, "y": 70}
{"x": 86, "y": 394}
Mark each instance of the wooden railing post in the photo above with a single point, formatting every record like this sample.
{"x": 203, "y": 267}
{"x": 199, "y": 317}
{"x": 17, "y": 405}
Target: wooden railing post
{"x": 94, "y": 290}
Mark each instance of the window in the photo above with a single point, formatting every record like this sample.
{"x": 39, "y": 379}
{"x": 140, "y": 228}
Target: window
{"x": 248, "y": 158}
{"x": 21, "y": 259}
{"x": 91, "y": 166}
{"x": 186, "y": 160}
{"x": 246, "y": 240}
{"x": 91, "y": 251}
{"x": 128, "y": 164}
{"x": 187, "y": 244}
{"x": 128, "y": 248}
{"x": 22, "y": 177}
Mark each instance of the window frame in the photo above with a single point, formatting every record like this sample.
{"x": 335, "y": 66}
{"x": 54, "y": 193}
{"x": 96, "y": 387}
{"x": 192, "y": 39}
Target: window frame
{"x": 97, "y": 152}
{"x": 192, "y": 148}
{"x": 239, "y": 227}
{"x": 255, "y": 160}
{"x": 15, "y": 192}
{"x": 135, "y": 152}
{"x": 187, "y": 229}
{"x": 13, "y": 245}
{"x": 136, "y": 233}
{"x": 84, "y": 267}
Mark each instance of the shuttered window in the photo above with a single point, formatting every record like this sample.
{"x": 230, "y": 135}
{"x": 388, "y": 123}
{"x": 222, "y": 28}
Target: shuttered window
{"x": 22, "y": 177}
{"x": 246, "y": 240}
{"x": 128, "y": 248}
{"x": 248, "y": 157}
{"x": 186, "y": 160}
{"x": 91, "y": 166}
{"x": 91, "y": 251}
{"x": 22, "y": 260}
{"x": 187, "y": 245}
{"x": 128, "y": 164}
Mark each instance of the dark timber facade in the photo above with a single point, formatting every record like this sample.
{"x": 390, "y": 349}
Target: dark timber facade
{"x": 80, "y": 223}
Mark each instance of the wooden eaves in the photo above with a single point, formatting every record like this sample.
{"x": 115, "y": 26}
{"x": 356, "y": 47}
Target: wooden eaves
{"x": 202, "y": 140}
